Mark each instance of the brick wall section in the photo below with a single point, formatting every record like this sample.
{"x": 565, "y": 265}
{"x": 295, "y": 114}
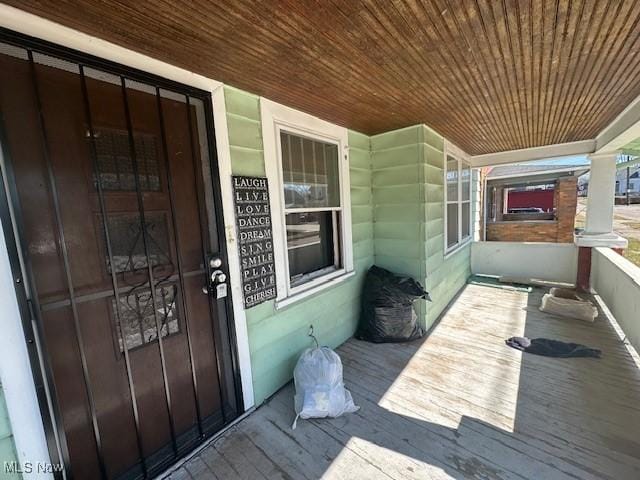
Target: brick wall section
{"x": 567, "y": 198}
{"x": 532, "y": 231}
{"x": 557, "y": 231}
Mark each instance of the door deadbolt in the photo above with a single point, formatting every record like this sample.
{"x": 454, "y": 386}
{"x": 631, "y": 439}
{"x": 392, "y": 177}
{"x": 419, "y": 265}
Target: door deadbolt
{"x": 216, "y": 282}
{"x": 218, "y": 276}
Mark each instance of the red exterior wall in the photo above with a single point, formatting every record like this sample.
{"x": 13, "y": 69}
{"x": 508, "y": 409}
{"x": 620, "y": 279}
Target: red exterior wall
{"x": 538, "y": 198}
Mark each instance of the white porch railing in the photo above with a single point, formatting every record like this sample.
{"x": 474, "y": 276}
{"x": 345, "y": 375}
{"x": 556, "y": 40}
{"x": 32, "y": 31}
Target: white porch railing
{"x": 554, "y": 262}
{"x": 614, "y": 278}
{"x": 617, "y": 281}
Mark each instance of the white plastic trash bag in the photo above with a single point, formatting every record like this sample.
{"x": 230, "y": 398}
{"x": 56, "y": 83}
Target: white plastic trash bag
{"x": 319, "y": 389}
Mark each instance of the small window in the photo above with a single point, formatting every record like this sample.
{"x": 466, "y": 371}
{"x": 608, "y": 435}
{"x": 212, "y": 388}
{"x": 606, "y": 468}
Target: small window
{"x": 312, "y": 208}
{"x": 127, "y": 243}
{"x": 116, "y": 165}
{"x": 452, "y": 201}
{"x": 458, "y": 202}
{"x": 138, "y": 316}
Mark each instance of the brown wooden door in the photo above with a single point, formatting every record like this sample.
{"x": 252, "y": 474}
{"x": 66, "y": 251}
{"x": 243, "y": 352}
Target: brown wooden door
{"x": 115, "y": 206}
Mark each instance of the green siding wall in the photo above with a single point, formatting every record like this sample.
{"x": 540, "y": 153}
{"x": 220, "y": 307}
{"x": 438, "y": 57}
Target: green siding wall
{"x": 397, "y": 197}
{"x": 408, "y": 199}
{"x": 7, "y": 450}
{"x": 277, "y": 337}
{"x": 445, "y": 276}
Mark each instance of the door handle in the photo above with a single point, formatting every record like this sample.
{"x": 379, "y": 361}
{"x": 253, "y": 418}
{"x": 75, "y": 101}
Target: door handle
{"x": 216, "y": 278}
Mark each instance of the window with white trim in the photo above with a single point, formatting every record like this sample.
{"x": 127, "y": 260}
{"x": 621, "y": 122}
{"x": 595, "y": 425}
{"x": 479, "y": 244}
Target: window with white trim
{"x": 307, "y": 168}
{"x": 312, "y": 207}
{"x": 458, "y": 202}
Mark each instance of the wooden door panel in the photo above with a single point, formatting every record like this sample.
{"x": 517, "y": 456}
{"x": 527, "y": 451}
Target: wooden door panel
{"x": 19, "y": 109}
{"x": 109, "y": 384}
{"x": 202, "y": 338}
{"x": 68, "y": 150}
{"x": 70, "y": 390}
{"x": 180, "y": 156}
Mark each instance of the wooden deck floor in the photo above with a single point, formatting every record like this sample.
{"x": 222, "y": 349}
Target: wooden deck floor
{"x": 458, "y": 404}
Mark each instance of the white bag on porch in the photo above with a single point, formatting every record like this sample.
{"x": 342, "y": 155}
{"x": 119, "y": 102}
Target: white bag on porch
{"x": 320, "y": 391}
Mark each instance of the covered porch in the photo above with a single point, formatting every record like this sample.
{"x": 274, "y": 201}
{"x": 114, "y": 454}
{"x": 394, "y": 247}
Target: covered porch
{"x": 408, "y": 100}
{"x": 458, "y": 404}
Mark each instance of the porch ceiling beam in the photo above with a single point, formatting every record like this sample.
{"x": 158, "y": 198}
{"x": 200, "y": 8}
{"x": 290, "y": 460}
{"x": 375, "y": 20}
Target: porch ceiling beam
{"x": 624, "y": 129}
{"x": 583, "y": 147}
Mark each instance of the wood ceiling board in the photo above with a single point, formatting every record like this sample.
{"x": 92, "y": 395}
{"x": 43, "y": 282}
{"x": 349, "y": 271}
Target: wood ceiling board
{"x": 490, "y": 76}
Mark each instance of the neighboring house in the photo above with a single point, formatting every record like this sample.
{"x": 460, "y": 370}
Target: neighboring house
{"x": 628, "y": 180}
{"x": 167, "y": 240}
{"x": 532, "y": 203}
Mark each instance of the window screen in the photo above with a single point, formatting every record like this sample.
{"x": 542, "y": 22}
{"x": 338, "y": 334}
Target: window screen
{"x": 310, "y": 172}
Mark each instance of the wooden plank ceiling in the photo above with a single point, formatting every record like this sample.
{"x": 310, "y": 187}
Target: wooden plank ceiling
{"x": 489, "y": 75}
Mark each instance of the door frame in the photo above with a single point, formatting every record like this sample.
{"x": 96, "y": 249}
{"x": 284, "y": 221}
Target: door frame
{"x": 76, "y": 46}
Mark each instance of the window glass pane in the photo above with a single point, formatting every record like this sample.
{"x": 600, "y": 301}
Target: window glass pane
{"x": 310, "y": 172}
{"x": 452, "y": 179}
{"x": 116, "y": 165}
{"x": 310, "y": 244}
{"x": 465, "y": 175}
{"x": 126, "y": 236}
{"x": 452, "y": 224}
{"x": 138, "y": 320}
{"x": 466, "y": 212}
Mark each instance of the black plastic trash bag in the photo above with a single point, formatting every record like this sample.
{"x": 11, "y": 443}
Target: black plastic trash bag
{"x": 387, "y": 313}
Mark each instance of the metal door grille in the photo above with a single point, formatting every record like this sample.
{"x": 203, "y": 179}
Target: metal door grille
{"x": 162, "y": 297}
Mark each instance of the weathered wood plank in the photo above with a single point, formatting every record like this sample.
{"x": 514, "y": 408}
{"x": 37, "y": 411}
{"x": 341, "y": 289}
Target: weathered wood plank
{"x": 197, "y": 468}
{"x": 220, "y": 467}
{"x": 458, "y": 404}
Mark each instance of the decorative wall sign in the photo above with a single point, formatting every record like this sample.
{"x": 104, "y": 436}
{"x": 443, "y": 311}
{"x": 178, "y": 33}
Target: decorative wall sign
{"x": 255, "y": 239}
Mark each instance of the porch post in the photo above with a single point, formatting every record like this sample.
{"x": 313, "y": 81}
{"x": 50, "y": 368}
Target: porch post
{"x": 599, "y": 225}
{"x": 601, "y": 194}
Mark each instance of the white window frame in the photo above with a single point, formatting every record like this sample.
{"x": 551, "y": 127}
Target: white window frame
{"x": 277, "y": 118}
{"x": 462, "y": 159}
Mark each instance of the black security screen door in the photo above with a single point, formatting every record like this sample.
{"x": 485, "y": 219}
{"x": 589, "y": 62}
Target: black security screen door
{"x": 116, "y": 206}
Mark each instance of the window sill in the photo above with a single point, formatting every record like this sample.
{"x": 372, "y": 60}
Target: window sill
{"x": 285, "y": 302}
{"x": 456, "y": 248}
{"x": 510, "y": 222}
